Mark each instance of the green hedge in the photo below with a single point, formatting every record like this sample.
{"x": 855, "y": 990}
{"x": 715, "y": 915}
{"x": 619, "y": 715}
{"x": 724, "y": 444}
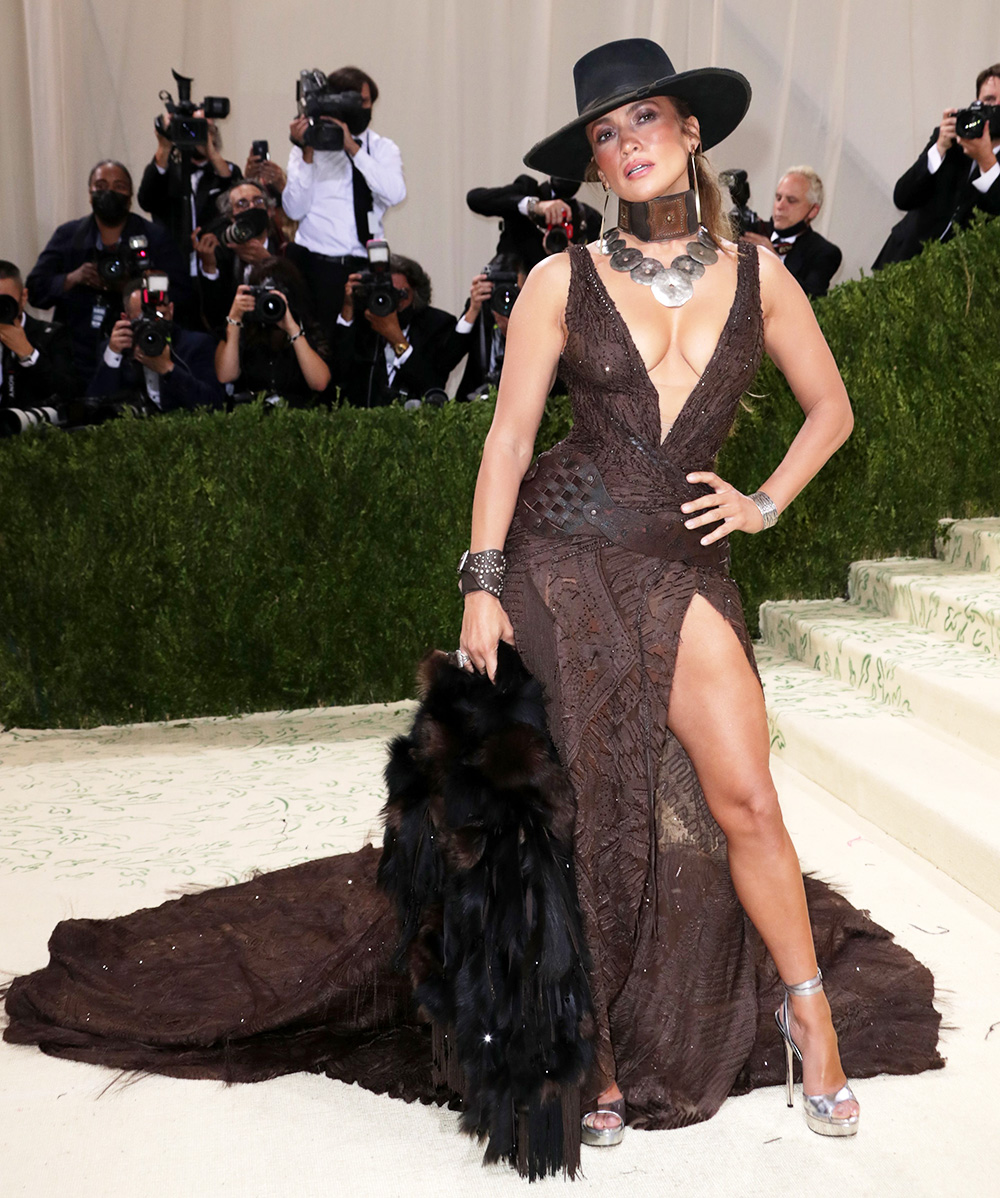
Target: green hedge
{"x": 217, "y": 564}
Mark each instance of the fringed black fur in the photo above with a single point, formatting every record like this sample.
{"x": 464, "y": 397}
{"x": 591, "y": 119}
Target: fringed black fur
{"x": 478, "y": 857}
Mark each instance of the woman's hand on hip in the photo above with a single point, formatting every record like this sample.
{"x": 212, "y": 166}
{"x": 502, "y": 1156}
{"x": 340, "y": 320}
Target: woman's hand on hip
{"x": 484, "y": 625}
{"x": 735, "y": 510}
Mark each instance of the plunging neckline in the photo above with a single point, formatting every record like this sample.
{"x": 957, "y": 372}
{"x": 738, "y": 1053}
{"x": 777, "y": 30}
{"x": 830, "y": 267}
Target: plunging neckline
{"x": 633, "y": 349}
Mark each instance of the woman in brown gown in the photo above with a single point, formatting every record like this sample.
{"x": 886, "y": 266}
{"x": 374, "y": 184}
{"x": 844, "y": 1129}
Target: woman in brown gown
{"x": 688, "y": 884}
{"x": 638, "y": 636}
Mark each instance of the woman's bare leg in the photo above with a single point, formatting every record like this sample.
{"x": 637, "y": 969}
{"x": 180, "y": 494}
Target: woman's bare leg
{"x": 717, "y": 714}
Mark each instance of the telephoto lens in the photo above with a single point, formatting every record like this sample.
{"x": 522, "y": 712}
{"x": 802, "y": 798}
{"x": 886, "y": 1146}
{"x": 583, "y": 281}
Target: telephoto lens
{"x": 16, "y": 420}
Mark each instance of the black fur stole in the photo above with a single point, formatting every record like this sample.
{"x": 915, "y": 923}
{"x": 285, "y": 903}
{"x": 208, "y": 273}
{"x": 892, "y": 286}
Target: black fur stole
{"x": 478, "y": 856}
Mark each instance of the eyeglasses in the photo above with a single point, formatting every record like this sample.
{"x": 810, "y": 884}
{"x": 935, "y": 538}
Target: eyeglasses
{"x": 243, "y": 205}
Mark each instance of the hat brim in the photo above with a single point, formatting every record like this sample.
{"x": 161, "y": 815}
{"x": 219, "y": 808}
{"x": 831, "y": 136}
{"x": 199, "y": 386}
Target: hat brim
{"x": 718, "y": 97}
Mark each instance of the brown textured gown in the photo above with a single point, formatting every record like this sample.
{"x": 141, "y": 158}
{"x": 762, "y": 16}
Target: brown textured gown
{"x": 291, "y": 970}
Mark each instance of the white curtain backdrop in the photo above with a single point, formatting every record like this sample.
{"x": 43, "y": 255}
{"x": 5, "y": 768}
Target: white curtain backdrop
{"x": 853, "y": 87}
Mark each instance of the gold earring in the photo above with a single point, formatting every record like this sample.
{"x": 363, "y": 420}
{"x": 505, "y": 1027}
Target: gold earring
{"x": 604, "y": 214}
{"x": 693, "y": 183}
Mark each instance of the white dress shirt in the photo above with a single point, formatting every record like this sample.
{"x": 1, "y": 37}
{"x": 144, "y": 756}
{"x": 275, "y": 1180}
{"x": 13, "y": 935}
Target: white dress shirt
{"x": 320, "y": 195}
{"x": 982, "y": 182}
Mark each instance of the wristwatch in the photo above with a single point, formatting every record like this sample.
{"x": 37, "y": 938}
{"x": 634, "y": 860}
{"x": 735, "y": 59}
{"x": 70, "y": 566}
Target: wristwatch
{"x": 401, "y": 347}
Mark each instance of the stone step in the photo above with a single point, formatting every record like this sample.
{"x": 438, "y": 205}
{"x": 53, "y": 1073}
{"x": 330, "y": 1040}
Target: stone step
{"x": 970, "y": 544}
{"x": 933, "y": 795}
{"x": 958, "y": 605}
{"x": 951, "y": 686}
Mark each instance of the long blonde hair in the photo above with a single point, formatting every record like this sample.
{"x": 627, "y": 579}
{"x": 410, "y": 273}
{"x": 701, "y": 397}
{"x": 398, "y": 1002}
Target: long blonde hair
{"x": 713, "y": 215}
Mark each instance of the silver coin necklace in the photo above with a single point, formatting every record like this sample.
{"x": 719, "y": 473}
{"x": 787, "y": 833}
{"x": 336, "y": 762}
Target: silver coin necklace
{"x": 671, "y": 285}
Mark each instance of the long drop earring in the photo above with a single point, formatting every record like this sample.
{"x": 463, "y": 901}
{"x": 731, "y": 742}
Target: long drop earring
{"x": 693, "y": 184}
{"x": 604, "y": 214}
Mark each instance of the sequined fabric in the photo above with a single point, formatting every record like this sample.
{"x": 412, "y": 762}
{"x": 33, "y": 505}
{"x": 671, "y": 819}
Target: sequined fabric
{"x": 292, "y": 971}
{"x": 683, "y": 989}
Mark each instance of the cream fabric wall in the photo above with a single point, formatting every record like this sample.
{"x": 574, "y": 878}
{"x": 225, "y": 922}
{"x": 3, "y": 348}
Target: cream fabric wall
{"x": 852, "y": 86}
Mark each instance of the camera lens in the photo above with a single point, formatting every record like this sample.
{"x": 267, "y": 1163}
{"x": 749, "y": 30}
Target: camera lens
{"x": 270, "y": 307}
{"x": 9, "y": 309}
{"x": 381, "y": 303}
{"x": 555, "y": 240}
{"x": 152, "y": 342}
{"x": 112, "y": 270}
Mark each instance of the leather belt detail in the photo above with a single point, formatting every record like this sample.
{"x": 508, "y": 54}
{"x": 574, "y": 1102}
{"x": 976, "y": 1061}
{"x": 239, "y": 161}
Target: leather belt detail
{"x": 565, "y": 495}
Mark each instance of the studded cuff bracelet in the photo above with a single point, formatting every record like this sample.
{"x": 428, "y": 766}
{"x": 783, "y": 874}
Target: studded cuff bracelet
{"x": 483, "y": 571}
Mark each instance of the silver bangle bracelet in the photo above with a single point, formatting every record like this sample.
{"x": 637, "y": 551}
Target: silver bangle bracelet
{"x": 767, "y": 508}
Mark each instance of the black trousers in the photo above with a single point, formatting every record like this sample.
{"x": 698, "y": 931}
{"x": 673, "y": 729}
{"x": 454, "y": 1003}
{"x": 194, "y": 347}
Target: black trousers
{"x": 326, "y": 281}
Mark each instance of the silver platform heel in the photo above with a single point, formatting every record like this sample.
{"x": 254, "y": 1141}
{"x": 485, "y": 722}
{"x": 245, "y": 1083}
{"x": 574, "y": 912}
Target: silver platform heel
{"x": 818, "y": 1108}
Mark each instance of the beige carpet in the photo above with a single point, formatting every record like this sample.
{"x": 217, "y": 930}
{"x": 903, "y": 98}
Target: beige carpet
{"x": 97, "y": 823}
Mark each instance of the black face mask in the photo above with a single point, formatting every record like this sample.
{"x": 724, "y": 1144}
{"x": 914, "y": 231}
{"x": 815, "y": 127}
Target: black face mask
{"x": 111, "y": 207}
{"x": 360, "y": 122}
{"x": 792, "y": 230}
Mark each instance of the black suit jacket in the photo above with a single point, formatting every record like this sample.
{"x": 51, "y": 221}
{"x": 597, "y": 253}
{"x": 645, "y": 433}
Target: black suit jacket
{"x": 478, "y": 344}
{"x": 812, "y": 260}
{"x": 162, "y": 197}
{"x": 518, "y": 233}
{"x": 358, "y": 359}
{"x": 933, "y": 202}
{"x": 51, "y": 377}
{"x": 191, "y": 384}
{"x": 70, "y": 246}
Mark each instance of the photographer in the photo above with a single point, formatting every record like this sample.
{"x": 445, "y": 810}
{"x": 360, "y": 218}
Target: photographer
{"x": 221, "y": 267}
{"x": 164, "y": 191}
{"x": 377, "y": 359}
{"x": 953, "y": 177}
{"x": 72, "y": 272}
{"x": 807, "y": 255}
{"x": 527, "y": 209}
{"x": 180, "y": 375}
{"x": 262, "y": 170}
{"x": 481, "y": 331}
{"x": 36, "y": 357}
{"x": 339, "y": 197}
{"x": 272, "y": 344}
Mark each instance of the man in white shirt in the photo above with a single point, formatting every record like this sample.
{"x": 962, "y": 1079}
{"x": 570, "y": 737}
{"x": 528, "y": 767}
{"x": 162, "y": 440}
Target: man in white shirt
{"x": 340, "y": 197}
{"x": 951, "y": 179}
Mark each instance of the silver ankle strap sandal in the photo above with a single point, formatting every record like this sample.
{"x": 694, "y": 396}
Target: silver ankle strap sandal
{"x": 818, "y": 1108}
{"x": 604, "y": 1137}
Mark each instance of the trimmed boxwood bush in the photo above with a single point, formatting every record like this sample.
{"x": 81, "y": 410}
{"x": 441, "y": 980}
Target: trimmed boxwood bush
{"x": 214, "y": 564}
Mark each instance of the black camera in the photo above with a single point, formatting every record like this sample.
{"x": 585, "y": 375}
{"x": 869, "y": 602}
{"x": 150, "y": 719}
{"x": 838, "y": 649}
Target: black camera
{"x": 124, "y": 262}
{"x": 314, "y": 100}
{"x": 970, "y": 122}
{"x": 236, "y": 230}
{"x": 741, "y": 216}
{"x": 151, "y": 334}
{"x": 269, "y": 307}
{"x": 506, "y": 289}
{"x": 375, "y": 292}
{"x": 10, "y": 310}
{"x": 259, "y": 149}
{"x": 185, "y": 129}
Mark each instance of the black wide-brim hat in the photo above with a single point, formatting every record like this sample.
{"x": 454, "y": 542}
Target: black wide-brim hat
{"x": 625, "y": 71}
